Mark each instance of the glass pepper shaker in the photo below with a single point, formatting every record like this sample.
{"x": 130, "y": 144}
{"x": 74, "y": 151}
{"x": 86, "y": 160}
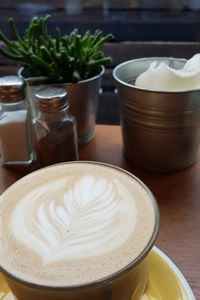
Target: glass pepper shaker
{"x": 55, "y": 136}
{"x": 15, "y": 135}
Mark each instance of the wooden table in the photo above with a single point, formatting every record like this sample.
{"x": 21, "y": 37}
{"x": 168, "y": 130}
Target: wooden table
{"x": 178, "y": 196}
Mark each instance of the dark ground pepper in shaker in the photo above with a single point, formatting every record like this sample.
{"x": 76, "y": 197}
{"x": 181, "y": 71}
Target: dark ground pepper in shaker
{"x": 55, "y": 136}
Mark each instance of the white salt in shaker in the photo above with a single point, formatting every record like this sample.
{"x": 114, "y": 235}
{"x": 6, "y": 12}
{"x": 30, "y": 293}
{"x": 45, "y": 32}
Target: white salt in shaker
{"x": 15, "y": 139}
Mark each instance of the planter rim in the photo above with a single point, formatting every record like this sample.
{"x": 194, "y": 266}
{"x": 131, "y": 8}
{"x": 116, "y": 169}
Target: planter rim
{"x": 120, "y": 66}
{"x": 44, "y": 79}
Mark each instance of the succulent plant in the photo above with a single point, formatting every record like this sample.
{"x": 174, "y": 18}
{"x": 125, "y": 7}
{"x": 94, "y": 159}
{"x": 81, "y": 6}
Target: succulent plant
{"x": 67, "y": 58}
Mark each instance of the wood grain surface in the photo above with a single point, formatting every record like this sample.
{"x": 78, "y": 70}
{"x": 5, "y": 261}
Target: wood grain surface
{"x": 177, "y": 194}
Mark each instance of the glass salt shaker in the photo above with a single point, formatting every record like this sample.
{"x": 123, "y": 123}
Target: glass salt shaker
{"x": 15, "y": 137}
{"x": 54, "y": 129}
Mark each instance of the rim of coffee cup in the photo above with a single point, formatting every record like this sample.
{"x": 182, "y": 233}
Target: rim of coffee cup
{"x": 116, "y": 274}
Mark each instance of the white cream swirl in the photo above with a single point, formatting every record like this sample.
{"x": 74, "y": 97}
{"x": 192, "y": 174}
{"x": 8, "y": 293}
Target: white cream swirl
{"x": 63, "y": 220}
{"x": 161, "y": 77}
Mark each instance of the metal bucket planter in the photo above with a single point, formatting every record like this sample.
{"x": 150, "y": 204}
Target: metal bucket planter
{"x": 160, "y": 130}
{"x": 83, "y": 99}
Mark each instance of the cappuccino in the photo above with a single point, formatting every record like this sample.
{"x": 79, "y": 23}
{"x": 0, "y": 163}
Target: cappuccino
{"x": 73, "y": 224}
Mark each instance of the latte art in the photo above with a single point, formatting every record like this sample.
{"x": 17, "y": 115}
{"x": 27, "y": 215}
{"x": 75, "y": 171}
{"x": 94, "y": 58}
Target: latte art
{"x": 58, "y": 222}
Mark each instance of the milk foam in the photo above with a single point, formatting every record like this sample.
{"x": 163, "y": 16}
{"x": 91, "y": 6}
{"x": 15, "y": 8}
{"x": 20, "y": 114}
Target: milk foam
{"x": 59, "y": 222}
{"x": 73, "y": 223}
{"x": 161, "y": 77}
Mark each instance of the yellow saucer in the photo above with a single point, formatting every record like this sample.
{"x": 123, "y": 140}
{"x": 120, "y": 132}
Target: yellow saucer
{"x": 166, "y": 282}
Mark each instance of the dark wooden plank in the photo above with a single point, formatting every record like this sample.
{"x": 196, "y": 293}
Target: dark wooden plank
{"x": 113, "y": 4}
{"x": 125, "y": 22}
{"x": 123, "y": 51}
{"x": 108, "y": 112}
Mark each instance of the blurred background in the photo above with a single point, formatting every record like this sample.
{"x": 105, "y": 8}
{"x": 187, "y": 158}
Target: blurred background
{"x": 141, "y": 28}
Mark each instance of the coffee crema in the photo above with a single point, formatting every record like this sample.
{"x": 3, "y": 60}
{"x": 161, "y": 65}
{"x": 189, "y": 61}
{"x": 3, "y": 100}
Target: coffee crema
{"x": 74, "y": 223}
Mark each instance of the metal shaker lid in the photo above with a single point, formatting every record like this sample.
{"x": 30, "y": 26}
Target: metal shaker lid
{"x": 12, "y": 89}
{"x": 52, "y": 98}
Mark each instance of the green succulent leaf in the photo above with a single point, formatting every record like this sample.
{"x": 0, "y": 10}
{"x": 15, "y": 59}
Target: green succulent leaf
{"x": 63, "y": 58}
